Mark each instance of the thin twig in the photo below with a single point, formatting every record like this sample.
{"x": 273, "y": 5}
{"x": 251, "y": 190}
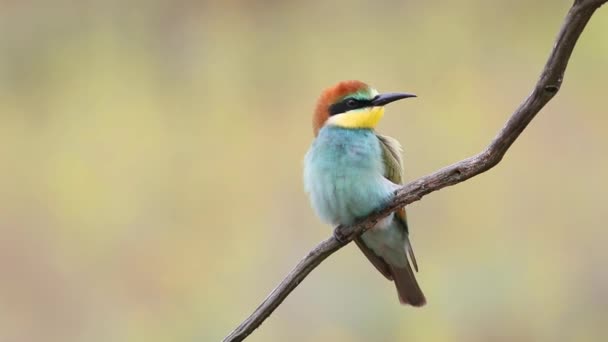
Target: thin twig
{"x": 547, "y": 86}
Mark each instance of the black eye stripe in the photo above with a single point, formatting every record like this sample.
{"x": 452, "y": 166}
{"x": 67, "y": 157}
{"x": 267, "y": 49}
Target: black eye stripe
{"x": 348, "y": 104}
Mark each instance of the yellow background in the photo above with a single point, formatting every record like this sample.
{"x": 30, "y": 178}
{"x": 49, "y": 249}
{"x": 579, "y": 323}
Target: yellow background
{"x": 151, "y": 159}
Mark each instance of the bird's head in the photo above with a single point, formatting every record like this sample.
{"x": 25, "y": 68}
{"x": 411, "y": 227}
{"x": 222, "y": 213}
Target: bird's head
{"x": 352, "y": 104}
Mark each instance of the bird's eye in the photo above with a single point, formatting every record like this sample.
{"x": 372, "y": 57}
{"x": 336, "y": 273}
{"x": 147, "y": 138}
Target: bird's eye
{"x": 351, "y": 103}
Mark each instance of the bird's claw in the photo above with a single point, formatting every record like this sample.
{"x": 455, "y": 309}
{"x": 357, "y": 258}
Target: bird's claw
{"x": 338, "y": 235}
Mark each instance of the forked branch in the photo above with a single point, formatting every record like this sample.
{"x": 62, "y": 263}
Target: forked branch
{"x": 547, "y": 86}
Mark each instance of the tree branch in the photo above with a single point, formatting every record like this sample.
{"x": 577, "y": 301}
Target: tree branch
{"x": 547, "y": 86}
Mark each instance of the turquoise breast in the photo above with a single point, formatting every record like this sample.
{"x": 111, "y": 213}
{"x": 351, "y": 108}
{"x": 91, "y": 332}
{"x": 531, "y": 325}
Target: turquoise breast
{"x": 344, "y": 174}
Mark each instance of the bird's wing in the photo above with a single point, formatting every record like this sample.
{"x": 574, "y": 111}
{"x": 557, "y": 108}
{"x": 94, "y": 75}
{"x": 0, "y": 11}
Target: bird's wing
{"x": 393, "y": 164}
{"x": 391, "y": 154}
{"x": 393, "y": 171}
{"x": 405, "y": 280}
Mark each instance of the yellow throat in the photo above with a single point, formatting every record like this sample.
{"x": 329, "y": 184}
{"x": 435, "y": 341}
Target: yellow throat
{"x": 359, "y": 118}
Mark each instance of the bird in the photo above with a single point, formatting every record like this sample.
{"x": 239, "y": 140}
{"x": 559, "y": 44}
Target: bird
{"x": 350, "y": 171}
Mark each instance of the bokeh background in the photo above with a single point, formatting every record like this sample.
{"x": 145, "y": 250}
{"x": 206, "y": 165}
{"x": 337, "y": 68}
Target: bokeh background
{"x": 151, "y": 159}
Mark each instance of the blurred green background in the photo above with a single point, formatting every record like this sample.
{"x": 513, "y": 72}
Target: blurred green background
{"x": 151, "y": 159}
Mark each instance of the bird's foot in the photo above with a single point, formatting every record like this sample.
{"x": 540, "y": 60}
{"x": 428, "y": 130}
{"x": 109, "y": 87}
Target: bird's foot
{"x": 339, "y": 236}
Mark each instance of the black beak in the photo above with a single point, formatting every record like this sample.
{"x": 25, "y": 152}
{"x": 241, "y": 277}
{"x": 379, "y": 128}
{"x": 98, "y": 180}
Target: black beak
{"x": 384, "y": 99}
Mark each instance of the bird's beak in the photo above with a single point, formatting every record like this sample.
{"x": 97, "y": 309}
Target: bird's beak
{"x": 387, "y": 98}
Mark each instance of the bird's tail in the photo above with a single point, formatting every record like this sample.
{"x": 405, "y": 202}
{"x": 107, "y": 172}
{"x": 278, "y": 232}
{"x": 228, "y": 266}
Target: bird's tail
{"x": 405, "y": 281}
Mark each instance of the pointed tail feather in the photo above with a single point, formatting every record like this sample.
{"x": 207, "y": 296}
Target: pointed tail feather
{"x": 410, "y": 251}
{"x": 407, "y": 287}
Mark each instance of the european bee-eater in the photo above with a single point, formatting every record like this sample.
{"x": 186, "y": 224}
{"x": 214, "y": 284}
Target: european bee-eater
{"x": 350, "y": 170}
